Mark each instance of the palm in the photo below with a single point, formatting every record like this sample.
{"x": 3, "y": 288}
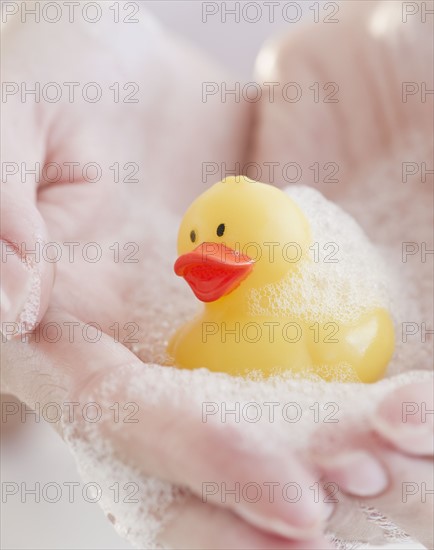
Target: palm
{"x": 111, "y": 262}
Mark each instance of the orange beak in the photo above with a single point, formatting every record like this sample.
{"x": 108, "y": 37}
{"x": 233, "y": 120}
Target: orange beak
{"x": 213, "y": 270}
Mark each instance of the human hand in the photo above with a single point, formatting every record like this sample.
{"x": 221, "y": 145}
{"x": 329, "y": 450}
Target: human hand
{"x": 64, "y": 372}
{"x": 374, "y": 140}
{"x": 167, "y": 135}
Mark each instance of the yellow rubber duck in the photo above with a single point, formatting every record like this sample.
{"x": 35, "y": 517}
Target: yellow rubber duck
{"x": 238, "y": 236}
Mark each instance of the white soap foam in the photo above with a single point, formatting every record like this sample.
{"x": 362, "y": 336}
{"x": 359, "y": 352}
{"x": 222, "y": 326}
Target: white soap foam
{"x": 302, "y": 409}
{"x": 137, "y": 506}
{"x": 344, "y": 278}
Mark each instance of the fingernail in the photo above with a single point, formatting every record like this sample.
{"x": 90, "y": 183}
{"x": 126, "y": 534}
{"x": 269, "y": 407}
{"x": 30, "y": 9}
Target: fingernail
{"x": 278, "y": 526}
{"x": 16, "y": 280}
{"x": 356, "y": 472}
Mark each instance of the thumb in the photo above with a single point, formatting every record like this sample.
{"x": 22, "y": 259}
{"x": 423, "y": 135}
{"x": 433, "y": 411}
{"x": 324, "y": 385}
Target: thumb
{"x": 365, "y": 68}
{"x": 26, "y": 273}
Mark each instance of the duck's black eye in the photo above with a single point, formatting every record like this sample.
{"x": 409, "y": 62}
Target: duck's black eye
{"x": 220, "y": 230}
{"x": 192, "y": 235}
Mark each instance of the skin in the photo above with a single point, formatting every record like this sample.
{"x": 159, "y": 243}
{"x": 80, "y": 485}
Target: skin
{"x": 42, "y": 372}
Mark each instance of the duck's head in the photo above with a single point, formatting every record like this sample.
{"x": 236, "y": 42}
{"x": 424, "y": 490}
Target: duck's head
{"x": 239, "y": 234}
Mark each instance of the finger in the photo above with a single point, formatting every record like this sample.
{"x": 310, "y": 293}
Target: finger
{"x": 27, "y": 275}
{"x": 195, "y": 525}
{"x": 408, "y": 500}
{"x": 395, "y": 446}
{"x": 405, "y": 419}
{"x": 400, "y": 487}
{"x": 359, "y": 112}
{"x": 170, "y": 440}
{"x": 378, "y": 467}
{"x": 214, "y": 462}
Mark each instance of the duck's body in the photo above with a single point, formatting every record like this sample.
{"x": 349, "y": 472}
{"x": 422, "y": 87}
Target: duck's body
{"x": 226, "y": 336}
{"x": 238, "y": 345}
{"x": 225, "y": 341}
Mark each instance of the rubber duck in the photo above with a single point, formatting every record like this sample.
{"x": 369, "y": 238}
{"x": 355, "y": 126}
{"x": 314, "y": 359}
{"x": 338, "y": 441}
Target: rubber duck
{"x": 237, "y": 236}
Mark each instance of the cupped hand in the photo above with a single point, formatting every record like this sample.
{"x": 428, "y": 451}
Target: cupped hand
{"x": 103, "y": 168}
{"x": 364, "y": 141}
{"x": 161, "y": 141}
